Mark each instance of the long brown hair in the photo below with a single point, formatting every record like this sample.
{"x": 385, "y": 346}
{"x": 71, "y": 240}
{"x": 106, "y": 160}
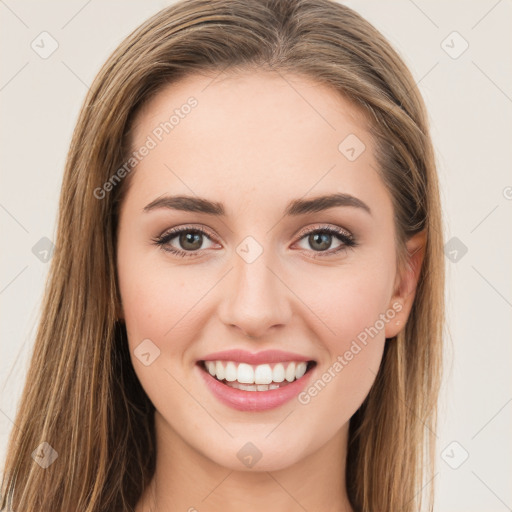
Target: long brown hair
{"x": 82, "y": 396}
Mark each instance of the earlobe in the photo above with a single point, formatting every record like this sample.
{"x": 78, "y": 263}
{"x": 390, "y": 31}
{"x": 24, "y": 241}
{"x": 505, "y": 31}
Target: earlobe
{"x": 406, "y": 284}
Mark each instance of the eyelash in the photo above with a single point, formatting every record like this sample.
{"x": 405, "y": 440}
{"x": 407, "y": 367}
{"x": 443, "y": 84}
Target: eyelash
{"x": 349, "y": 241}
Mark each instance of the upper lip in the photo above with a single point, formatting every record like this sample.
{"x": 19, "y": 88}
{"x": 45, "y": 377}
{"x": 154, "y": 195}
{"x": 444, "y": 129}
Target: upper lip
{"x": 265, "y": 356}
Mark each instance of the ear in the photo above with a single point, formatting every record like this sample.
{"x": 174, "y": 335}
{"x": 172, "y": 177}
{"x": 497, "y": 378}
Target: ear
{"x": 406, "y": 283}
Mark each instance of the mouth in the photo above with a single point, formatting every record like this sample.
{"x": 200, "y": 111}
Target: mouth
{"x": 258, "y": 378}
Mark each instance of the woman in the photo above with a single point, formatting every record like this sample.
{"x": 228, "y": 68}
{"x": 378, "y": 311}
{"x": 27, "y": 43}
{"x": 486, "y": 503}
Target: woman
{"x": 245, "y": 304}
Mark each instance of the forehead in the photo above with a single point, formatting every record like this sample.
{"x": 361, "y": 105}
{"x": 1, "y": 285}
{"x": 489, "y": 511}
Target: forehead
{"x": 251, "y": 134}
{"x": 264, "y": 104}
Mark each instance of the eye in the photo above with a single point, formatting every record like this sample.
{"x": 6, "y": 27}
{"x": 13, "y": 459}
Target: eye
{"x": 321, "y": 238}
{"x": 189, "y": 239}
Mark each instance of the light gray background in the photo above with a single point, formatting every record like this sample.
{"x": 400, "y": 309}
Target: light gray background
{"x": 470, "y": 106}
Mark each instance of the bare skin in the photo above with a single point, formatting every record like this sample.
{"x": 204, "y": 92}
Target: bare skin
{"x": 254, "y": 144}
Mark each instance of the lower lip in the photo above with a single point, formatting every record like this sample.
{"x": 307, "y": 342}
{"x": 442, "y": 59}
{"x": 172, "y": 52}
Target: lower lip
{"x": 254, "y": 400}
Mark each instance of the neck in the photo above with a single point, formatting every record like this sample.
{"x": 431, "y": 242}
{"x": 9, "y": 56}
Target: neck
{"x": 185, "y": 479}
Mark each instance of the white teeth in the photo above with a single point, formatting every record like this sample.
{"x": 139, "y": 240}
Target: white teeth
{"x": 300, "y": 370}
{"x": 290, "y": 372}
{"x": 263, "y": 374}
{"x": 259, "y": 375}
{"x": 219, "y": 371}
{"x": 278, "y": 373}
{"x": 253, "y": 387}
{"x": 231, "y": 371}
{"x": 211, "y": 367}
{"x": 245, "y": 373}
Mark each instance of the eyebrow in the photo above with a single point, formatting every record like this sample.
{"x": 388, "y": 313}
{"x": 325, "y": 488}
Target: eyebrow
{"x": 294, "y": 208}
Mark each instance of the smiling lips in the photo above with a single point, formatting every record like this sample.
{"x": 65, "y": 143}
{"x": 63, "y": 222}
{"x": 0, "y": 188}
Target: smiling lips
{"x": 254, "y": 382}
{"x": 274, "y": 368}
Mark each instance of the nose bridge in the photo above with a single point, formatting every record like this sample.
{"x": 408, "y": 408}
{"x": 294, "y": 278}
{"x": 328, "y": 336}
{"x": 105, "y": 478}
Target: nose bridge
{"x": 255, "y": 298}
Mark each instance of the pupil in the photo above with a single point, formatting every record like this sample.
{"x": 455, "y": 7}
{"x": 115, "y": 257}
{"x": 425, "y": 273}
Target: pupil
{"x": 324, "y": 240}
{"x": 190, "y": 238}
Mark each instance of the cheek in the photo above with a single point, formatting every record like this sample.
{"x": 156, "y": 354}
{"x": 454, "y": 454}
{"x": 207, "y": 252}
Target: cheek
{"x": 352, "y": 306}
{"x": 158, "y": 306}
{"x": 360, "y": 302}
{"x": 350, "y": 303}
{"x": 160, "y": 301}
{"x": 354, "y": 344}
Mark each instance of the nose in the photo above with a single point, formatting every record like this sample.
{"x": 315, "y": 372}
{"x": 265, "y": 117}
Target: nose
{"x": 256, "y": 300}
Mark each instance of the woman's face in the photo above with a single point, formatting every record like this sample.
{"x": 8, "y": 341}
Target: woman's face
{"x": 263, "y": 276}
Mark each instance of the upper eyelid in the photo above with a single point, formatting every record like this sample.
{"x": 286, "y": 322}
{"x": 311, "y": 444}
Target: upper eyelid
{"x": 176, "y": 231}
{"x": 325, "y": 227}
